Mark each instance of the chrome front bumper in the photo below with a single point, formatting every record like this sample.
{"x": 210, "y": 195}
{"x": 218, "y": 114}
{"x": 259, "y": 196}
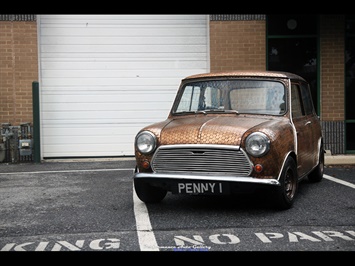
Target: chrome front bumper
{"x": 233, "y": 179}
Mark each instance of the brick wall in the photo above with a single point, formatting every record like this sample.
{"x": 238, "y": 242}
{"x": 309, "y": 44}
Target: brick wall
{"x": 18, "y": 69}
{"x": 332, "y": 67}
{"x": 238, "y": 45}
{"x": 237, "y": 42}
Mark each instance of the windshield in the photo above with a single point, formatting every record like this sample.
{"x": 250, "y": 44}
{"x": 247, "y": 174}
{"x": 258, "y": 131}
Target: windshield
{"x": 239, "y": 96}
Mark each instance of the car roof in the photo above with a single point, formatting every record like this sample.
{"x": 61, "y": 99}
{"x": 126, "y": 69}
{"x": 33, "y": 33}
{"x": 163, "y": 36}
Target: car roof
{"x": 239, "y": 73}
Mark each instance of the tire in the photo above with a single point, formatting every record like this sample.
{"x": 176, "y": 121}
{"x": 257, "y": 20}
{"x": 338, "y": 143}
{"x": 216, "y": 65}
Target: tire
{"x": 148, "y": 193}
{"x": 285, "y": 194}
{"x": 317, "y": 173}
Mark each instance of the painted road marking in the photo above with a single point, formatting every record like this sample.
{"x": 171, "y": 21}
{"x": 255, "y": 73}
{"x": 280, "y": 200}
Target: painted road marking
{"x": 197, "y": 242}
{"x": 348, "y": 184}
{"x": 58, "y": 245}
{"x": 69, "y": 171}
{"x": 146, "y": 237}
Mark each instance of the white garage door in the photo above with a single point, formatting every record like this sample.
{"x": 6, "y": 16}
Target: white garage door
{"x": 103, "y": 77}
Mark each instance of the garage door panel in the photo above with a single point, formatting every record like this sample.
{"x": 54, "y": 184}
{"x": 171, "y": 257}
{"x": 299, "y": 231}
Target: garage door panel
{"x": 104, "y": 115}
{"x": 129, "y": 20}
{"x": 122, "y": 49}
{"x": 77, "y": 140}
{"x": 87, "y": 150}
{"x": 133, "y": 40}
{"x": 101, "y": 107}
{"x": 66, "y": 98}
{"x": 114, "y": 103}
{"x": 126, "y": 31}
{"x": 117, "y": 73}
{"x": 112, "y": 64}
{"x": 95, "y": 81}
{"x": 89, "y": 130}
{"x": 120, "y": 120}
{"x": 127, "y": 56}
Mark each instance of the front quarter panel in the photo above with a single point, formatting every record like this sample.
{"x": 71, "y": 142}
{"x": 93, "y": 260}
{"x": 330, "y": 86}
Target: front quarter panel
{"x": 282, "y": 144}
{"x": 156, "y": 130}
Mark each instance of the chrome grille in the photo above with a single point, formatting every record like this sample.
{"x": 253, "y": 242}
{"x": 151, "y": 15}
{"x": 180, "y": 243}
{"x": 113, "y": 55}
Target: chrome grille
{"x": 201, "y": 159}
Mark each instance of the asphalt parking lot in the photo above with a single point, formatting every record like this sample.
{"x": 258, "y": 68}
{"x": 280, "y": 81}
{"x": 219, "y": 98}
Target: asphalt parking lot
{"x": 90, "y": 205}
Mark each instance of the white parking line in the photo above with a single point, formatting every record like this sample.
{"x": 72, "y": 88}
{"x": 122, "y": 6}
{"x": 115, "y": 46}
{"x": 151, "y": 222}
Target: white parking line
{"x": 348, "y": 184}
{"x": 146, "y": 237}
{"x": 68, "y": 171}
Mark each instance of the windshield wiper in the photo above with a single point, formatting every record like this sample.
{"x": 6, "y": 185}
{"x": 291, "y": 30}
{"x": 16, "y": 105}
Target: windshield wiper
{"x": 201, "y": 112}
{"x": 232, "y": 111}
{"x": 222, "y": 111}
{"x": 217, "y": 111}
{"x": 207, "y": 111}
{"x": 184, "y": 112}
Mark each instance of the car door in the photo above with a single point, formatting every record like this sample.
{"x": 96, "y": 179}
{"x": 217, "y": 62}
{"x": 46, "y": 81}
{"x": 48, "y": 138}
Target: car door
{"x": 312, "y": 122}
{"x": 303, "y": 125}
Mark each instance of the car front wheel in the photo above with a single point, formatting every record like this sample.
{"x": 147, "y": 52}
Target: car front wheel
{"x": 286, "y": 192}
{"x": 148, "y": 193}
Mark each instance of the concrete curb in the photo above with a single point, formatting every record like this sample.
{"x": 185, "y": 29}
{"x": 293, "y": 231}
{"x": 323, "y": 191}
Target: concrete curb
{"x": 339, "y": 159}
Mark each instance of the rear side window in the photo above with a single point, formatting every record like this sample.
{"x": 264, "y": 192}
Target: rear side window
{"x": 307, "y": 99}
{"x": 296, "y": 104}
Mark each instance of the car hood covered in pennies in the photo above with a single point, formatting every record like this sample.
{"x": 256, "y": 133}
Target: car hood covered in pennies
{"x": 222, "y": 130}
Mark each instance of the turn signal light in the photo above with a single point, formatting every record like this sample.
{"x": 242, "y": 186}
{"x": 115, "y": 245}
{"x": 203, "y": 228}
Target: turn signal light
{"x": 145, "y": 164}
{"x": 258, "y": 168}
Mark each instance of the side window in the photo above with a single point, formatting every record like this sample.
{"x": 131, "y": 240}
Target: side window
{"x": 296, "y": 105}
{"x": 307, "y": 99}
{"x": 195, "y": 98}
{"x": 189, "y": 100}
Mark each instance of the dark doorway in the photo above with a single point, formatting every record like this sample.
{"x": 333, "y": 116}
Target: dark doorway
{"x": 293, "y": 47}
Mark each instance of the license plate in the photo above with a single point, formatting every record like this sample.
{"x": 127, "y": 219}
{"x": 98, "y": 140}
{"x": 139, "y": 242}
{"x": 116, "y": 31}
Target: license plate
{"x": 211, "y": 188}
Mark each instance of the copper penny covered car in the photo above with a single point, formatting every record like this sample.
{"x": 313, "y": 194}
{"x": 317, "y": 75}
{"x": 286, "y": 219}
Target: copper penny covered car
{"x": 231, "y": 131}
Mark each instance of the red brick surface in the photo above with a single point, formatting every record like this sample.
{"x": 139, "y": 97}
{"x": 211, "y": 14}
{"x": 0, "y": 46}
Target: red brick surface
{"x": 18, "y": 69}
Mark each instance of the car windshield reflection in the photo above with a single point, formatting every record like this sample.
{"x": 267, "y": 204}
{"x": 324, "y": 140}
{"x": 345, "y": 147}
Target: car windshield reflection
{"x": 236, "y": 96}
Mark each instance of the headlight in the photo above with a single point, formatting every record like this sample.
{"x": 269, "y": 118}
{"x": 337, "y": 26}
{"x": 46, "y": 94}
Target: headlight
{"x": 145, "y": 142}
{"x": 257, "y": 144}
